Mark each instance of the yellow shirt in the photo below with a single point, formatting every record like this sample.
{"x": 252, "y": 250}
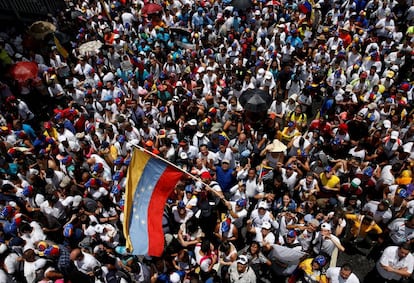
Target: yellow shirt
{"x": 331, "y": 182}
{"x": 316, "y": 275}
{"x": 361, "y": 231}
{"x": 298, "y": 119}
{"x": 54, "y": 134}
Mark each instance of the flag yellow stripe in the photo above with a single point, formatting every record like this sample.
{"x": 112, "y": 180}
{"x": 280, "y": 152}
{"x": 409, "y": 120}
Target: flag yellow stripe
{"x": 138, "y": 162}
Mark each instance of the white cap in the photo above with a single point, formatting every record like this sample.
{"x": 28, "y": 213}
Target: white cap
{"x": 242, "y": 259}
{"x": 192, "y": 122}
{"x": 183, "y": 155}
{"x": 326, "y": 226}
{"x": 266, "y": 225}
{"x": 356, "y": 182}
{"x": 200, "y": 70}
{"x": 261, "y": 49}
{"x": 175, "y": 278}
{"x": 262, "y": 204}
{"x": 386, "y": 124}
{"x": 394, "y": 135}
{"x": 99, "y": 228}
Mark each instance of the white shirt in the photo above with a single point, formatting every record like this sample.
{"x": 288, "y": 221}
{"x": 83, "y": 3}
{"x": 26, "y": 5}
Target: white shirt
{"x": 87, "y": 264}
{"x": 333, "y": 275}
{"x": 386, "y": 175}
{"x": 390, "y": 258}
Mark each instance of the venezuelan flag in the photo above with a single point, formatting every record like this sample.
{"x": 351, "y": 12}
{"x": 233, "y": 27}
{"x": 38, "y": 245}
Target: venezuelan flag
{"x": 150, "y": 181}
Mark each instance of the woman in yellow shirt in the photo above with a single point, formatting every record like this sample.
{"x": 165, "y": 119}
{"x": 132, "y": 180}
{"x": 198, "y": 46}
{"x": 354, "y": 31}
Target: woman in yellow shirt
{"x": 364, "y": 229}
{"x": 310, "y": 271}
{"x": 287, "y": 134}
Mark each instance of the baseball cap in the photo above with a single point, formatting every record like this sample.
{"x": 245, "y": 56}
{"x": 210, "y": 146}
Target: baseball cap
{"x": 326, "y": 226}
{"x": 368, "y": 171}
{"x": 241, "y": 202}
{"x": 242, "y": 259}
{"x": 355, "y": 182}
{"x": 225, "y": 161}
{"x": 225, "y": 226}
{"x": 205, "y": 175}
{"x": 189, "y": 188}
{"x": 27, "y": 190}
{"x": 262, "y": 204}
{"x": 97, "y": 167}
{"x": 181, "y": 204}
{"x": 291, "y": 234}
{"x": 394, "y": 135}
{"x": 266, "y": 225}
{"x": 183, "y": 155}
{"x": 192, "y": 122}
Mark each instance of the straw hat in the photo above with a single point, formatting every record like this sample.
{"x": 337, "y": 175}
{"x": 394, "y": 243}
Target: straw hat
{"x": 276, "y": 146}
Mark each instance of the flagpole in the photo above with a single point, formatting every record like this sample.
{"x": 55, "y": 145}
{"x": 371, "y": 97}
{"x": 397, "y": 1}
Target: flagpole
{"x": 173, "y": 165}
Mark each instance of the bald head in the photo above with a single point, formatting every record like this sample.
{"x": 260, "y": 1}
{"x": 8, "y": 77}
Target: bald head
{"x": 76, "y": 254}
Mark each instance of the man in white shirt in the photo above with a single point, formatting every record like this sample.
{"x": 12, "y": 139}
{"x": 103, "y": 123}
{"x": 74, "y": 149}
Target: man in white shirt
{"x": 84, "y": 262}
{"x": 341, "y": 274}
{"x": 395, "y": 265}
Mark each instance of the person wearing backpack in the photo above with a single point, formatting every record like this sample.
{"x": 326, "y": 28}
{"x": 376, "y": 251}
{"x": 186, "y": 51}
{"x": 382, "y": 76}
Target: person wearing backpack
{"x": 299, "y": 118}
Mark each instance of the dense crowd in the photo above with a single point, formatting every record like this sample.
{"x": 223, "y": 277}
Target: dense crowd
{"x": 278, "y": 190}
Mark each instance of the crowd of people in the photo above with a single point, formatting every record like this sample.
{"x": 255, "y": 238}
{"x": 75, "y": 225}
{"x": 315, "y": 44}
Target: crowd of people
{"x": 277, "y": 193}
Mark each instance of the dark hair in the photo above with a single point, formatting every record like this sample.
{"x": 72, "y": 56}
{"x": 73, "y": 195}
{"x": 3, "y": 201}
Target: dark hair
{"x": 205, "y": 246}
{"x": 192, "y": 225}
{"x": 224, "y": 247}
{"x": 405, "y": 246}
{"x": 346, "y": 266}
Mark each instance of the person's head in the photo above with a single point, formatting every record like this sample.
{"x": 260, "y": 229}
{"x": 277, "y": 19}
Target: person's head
{"x": 328, "y": 171}
{"x": 410, "y": 222}
{"x": 262, "y": 207}
{"x": 309, "y": 178}
{"x": 286, "y": 199}
{"x": 205, "y": 246}
{"x": 325, "y": 229}
{"x": 76, "y": 254}
{"x": 319, "y": 262}
{"x": 298, "y": 110}
{"x": 266, "y": 228}
{"x": 313, "y": 225}
{"x": 242, "y": 263}
{"x": 254, "y": 247}
{"x": 383, "y": 205}
{"x": 225, "y": 247}
{"x": 345, "y": 271}
{"x": 290, "y": 236}
{"x": 225, "y": 164}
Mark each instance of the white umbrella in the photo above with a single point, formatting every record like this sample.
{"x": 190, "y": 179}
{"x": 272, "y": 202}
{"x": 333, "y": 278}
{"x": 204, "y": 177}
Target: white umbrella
{"x": 91, "y": 47}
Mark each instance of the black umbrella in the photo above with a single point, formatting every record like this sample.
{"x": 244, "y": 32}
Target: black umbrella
{"x": 255, "y": 100}
{"x": 62, "y": 37}
{"x": 241, "y": 4}
{"x": 76, "y": 14}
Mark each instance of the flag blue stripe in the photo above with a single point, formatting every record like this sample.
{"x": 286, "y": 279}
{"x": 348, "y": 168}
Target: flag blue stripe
{"x": 138, "y": 228}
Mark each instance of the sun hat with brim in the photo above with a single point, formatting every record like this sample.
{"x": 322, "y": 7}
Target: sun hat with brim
{"x": 276, "y": 146}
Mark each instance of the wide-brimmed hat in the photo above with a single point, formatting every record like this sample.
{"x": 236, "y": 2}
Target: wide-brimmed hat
{"x": 276, "y": 146}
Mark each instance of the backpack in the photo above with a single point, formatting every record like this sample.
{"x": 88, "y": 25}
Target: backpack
{"x": 117, "y": 276}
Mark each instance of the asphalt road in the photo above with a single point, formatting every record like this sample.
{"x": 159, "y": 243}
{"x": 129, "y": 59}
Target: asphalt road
{"x": 360, "y": 263}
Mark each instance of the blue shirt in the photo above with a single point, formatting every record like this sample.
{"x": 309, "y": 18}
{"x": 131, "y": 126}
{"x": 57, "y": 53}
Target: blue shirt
{"x": 225, "y": 178}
